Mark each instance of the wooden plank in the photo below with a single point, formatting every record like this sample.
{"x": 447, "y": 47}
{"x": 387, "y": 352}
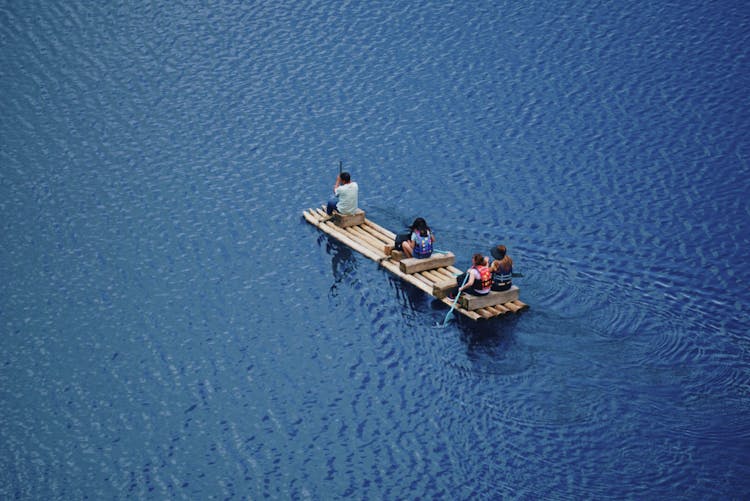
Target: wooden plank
{"x": 413, "y": 265}
{"x": 444, "y": 274}
{"x": 454, "y": 270}
{"x": 366, "y": 237}
{"x": 434, "y": 277}
{"x": 376, "y": 234}
{"x": 471, "y": 302}
{"x": 485, "y": 313}
{"x": 380, "y": 232}
{"x": 472, "y": 315}
{"x": 427, "y": 278}
{"x": 336, "y": 233}
{"x": 497, "y": 309}
{"x": 495, "y": 312}
{"x": 422, "y": 279}
{"x": 397, "y": 255}
{"x": 500, "y": 307}
{"x": 388, "y": 233}
{"x": 441, "y": 289}
{"x": 346, "y": 220}
{"x": 393, "y": 267}
{"x": 512, "y": 307}
{"x": 520, "y": 304}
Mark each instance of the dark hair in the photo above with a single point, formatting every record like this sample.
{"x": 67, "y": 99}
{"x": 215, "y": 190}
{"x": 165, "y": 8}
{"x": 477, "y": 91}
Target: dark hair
{"x": 420, "y": 225}
{"x": 477, "y": 259}
{"x": 345, "y": 177}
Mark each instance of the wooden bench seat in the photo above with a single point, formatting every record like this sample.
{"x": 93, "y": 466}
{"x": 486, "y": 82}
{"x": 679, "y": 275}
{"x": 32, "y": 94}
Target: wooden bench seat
{"x": 441, "y": 289}
{"x": 346, "y": 220}
{"x": 469, "y": 302}
{"x": 437, "y": 260}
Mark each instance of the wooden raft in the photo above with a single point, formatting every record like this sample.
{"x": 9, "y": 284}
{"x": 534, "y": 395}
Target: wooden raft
{"x": 370, "y": 240}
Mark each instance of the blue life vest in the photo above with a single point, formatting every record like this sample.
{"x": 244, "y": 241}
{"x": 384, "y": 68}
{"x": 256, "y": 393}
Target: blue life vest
{"x": 502, "y": 279}
{"x": 422, "y": 245}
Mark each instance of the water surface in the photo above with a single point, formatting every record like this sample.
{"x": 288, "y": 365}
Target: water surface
{"x": 172, "y": 328}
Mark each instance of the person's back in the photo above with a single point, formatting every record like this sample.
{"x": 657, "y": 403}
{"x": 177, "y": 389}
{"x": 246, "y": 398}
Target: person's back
{"x": 348, "y": 198}
{"x": 476, "y": 281}
{"x": 422, "y": 244}
{"x": 502, "y": 269}
{"x": 345, "y": 198}
{"x": 421, "y": 239}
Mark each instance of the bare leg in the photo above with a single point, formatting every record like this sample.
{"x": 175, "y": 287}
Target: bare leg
{"x": 407, "y": 247}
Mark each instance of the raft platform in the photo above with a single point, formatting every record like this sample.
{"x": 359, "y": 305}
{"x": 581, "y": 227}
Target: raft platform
{"x": 435, "y": 275}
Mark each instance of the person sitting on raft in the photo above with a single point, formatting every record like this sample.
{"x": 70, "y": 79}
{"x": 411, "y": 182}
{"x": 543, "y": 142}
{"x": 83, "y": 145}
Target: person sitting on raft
{"x": 501, "y": 268}
{"x": 420, "y": 242}
{"x": 345, "y": 196}
{"x": 416, "y": 242}
{"x": 478, "y": 282}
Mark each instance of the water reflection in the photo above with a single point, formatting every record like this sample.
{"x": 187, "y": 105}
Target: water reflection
{"x": 492, "y": 346}
{"x": 343, "y": 263}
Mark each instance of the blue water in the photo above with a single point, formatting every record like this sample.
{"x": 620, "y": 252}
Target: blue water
{"x": 173, "y": 329}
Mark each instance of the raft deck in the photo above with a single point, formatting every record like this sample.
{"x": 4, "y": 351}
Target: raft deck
{"x": 370, "y": 240}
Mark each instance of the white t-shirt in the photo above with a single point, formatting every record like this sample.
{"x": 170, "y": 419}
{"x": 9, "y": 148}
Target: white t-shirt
{"x": 348, "y": 198}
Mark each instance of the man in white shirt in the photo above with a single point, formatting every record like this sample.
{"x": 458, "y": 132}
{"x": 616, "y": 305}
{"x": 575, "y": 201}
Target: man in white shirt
{"x": 346, "y": 195}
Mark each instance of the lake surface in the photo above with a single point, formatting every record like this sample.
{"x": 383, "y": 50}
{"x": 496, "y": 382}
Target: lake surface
{"x": 173, "y": 329}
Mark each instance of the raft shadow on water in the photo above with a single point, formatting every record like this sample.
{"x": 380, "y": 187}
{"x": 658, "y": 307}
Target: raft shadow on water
{"x": 343, "y": 262}
{"x": 491, "y": 347}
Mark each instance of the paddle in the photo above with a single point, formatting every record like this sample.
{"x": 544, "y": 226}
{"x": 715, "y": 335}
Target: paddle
{"x": 453, "y": 306}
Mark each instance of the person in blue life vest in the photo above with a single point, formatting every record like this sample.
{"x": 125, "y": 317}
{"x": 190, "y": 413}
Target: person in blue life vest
{"x": 420, "y": 241}
{"x": 501, "y": 268}
{"x": 345, "y": 196}
{"x": 417, "y": 241}
{"x": 478, "y": 282}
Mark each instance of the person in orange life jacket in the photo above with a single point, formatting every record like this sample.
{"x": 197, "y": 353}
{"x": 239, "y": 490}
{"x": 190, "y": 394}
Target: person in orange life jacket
{"x": 345, "y": 195}
{"x": 420, "y": 242}
{"x": 479, "y": 281}
{"x": 501, "y": 268}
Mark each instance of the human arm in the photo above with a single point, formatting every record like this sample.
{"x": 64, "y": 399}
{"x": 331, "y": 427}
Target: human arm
{"x": 469, "y": 281}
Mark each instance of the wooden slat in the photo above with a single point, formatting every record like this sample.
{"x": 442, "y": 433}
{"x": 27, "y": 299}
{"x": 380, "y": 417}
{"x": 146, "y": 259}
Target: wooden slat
{"x": 484, "y": 313}
{"x": 422, "y": 279}
{"x": 377, "y": 235}
{"x": 362, "y": 235}
{"x": 393, "y": 267}
{"x": 512, "y": 307}
{"x": 502, "y": 308}
{"x": 441, "y": 289}
{"x": 434, "y": 277}
{"x": 471, "y": 302}
{"x": 495, "y": 312}
{"x": 383, "y": 234}
{"x": 445, "y": 274}
{"x": 413, "y": 265}
{"x": 346, "y": 220}
{"x": 328, "y": 228}
{"x": 426, "y": 277}
{"x": 384, "y": 231}
{"x": 497, "y": 309}
{"x": 472, "y": 315}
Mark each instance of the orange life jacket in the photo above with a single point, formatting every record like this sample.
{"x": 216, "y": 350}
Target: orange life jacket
{"x": 485, "y": 277}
